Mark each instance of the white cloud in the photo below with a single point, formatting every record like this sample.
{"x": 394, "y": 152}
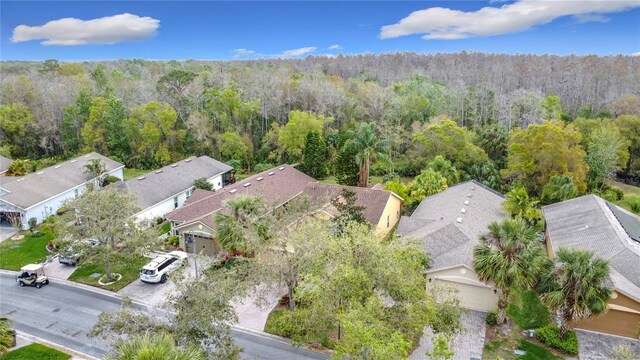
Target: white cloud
{"x": 105, "y": 30}
{"x": 294, "y": 53}
{"x": 636, "y": 54}
{"x": 335, "y": 47}
{"x": 241, "y": 53}
{"x": 287, "y": 54}
{"x": 449, "y": 24}
{"x": 585, "y": 18}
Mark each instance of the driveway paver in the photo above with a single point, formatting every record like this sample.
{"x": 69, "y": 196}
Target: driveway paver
{"x": 466, "y": 345}
{"x": 598, "y": 346}
{"x": 6, "y": 231}
{"x": 254, "y": 310}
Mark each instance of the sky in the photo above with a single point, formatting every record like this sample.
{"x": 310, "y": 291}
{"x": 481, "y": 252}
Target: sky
{"x": 101, "y": 30}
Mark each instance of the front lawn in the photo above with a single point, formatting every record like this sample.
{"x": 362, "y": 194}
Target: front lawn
{"x": 535, "y": 352}
{"x": 15, "y": 254}
{"x": 504, "y": 348}
{"x": 164, "y": 228}
{"x": 128, "y": 173}
{"x": 527, "y": 311}
{"x": 35, "y": 351}
{"x": 130, "y": 271}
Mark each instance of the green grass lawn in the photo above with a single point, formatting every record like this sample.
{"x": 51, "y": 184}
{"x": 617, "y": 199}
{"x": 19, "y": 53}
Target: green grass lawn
{"x": 629, "y": 190}
{"x": 130, "y": 272}
{"x": 527, "y": 311}
{"x": 35, "y": 351}
{"x": 504, "y": 349}
{"x": 164, "y": 228}
{"x": 271, "y": 325}
{"x": 535, "y": 352}
{"x": 129, "y": 173}
{"x": 15, "y": 254}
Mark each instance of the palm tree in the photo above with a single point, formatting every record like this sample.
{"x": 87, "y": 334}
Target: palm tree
{"x": 154, "y": 347}
{"x": 574, "y": 288}
{"x": 7, "y": 335}
{"x": 241, "y": 225}
{"x": 559, "y": 188}
{"x": 521, "y": 206}
{"x": 368, "y": 147}
{"x": 510, "y": 256}
{"x": 96, "y": 168}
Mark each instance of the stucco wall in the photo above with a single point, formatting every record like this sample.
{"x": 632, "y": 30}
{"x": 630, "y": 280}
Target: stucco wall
{"x": 392, "y": 211}
{"x": 623, "y": 318}
{"x": 472, "y": 293}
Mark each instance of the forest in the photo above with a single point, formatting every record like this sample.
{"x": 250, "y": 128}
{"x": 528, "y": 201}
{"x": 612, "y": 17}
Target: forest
{"x": 509, "y": 121}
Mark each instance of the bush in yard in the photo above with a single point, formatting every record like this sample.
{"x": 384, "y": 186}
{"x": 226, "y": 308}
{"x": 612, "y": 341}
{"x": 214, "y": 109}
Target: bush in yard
{"x": 62, "y": 210}
{"x": 203, "y": 184}
{"x": 159, "y": 220}
{"x": 550, "y": 336}
{"x": 634, "y": 203}
{"x": 173, "y": 240}
{"x": 32, "y": 223}
{"x": 262, "y": 167}
{"x": 492, "y": 318}
{"x": 110, "y": 179}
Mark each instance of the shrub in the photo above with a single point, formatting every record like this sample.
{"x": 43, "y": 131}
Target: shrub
{"x": 110, "y": 179}
{"x": 492, "y": 318}
{"x": 619, "y": 194}
{"x": 173, "y": 240}
{"x": 62, "y": 210}
{"x": 203, "y": 184}
{"x": 51, "y": 219}
{"x": 262, "y": 167}
{"x": 32, "y": 223}
{"x": 550, "y": 336}
{"x": 37, "y": 234}
{"x": 159, "y": 220}
{"x": 390, "y": 177}
{"x": 236, "y": 164}
{"x": 634, "y": 203}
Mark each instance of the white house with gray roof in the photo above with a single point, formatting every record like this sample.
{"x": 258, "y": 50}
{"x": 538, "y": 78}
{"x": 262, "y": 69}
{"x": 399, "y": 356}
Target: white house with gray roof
{"x": 39, "y": 195}
{"x": 166, "y": 189}
{"x": 611, "y": 233}
{"x": 449, "y": 225}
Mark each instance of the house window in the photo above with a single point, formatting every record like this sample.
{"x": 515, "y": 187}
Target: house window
{"x": 75, "y": 192}
{"x": 175, "y": 202}
{"x": 388, "y": 221}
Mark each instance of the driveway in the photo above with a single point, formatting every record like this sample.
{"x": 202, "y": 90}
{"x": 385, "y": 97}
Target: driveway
{"x": 6, "y": 231}
{"x": 55, "y": 270}
{"x": 466, "y": 345}
{"x": 597, "y": 346}
{"x": 254, "y": 310}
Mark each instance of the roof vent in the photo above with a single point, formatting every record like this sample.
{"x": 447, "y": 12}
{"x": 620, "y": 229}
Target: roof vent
{"x": 247, "y": 185}
{"x": 19, "y": 180}
{"x": 158, "y": 171}
{"x": 142, "y": 177}
{"x": 40, "y": 172}
{"x": 232, "y": 191}
{"x": 271, "y": 173}
{"x": 466, "y": 202}
{"x": 86, "y": 156}
{"x": 473, "y": 188}
{"x": 459, "y": 220}
{"x": 464, "y": 211}
{"x": 57, "y": 166}
{"x": 469, "y": 195}
{"x": 174, "y": 165}
{"x": 74, "y": 160}
{"x": 260, "y": 178}
{"x": 281, "y": 168}
{"x": 188, "y": 160}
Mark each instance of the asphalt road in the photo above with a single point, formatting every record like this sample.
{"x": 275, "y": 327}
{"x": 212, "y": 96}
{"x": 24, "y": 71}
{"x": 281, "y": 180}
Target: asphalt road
{"x": 63, "y": 314}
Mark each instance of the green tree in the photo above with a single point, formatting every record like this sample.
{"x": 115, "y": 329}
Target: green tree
{"x": 511, "y": 256}
{"x": 229, "y": 112}
{"x": 99, "y": 76}
{"x": 292, "y": 136}
{"x": 154, "y": 140}
{"x": 607, "y": 153}
{"x": 485, "y": 173}
{"x": 73, "y": 120}
{"x": 575, "y": 287}
{"x": 630, "y": 128}
{"x": 154, "y": 347}
{"x": 520, "y": 205}
{"x": 441, "y": 349}
{"x": 428, "y": 183}
{"x": 368, "y": 147}
{"x": 399, "y": 188}
{"x": 19, "y": 167}
{"x": 315, "y": 161}
{"x": 241, "y": 225}
{"x": 349, "y": 211}
{"x": 494, "y": 140}
{"x": 544, "y": 150}
{"x": 173, "y": 86}
{"x": 559, "y": 188}
{"x": 444, "y": 167}
{"x": 203, "y": 184}
{"x": 551, "y": 108}
{"x": 234, "y": 147}
{"x": 20, "y": 130}
{"x": 97, "y": 169}
{"x": 346, "y": 167}
{"x": 104, "y": 131}
{"x": 106, "y": 215}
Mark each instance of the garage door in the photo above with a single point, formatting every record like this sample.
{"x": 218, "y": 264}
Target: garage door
{"x": 614, "y": 322}
{"x": 473, "y": 297}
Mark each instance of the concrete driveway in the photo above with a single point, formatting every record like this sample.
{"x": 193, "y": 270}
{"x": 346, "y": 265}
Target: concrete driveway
{"x": 6, "y": 231}
{"x": 55, "y": 270}
{"x": 466, "y": 345}
{"x": 254, "y": 310}
{"x": 598, "y": 346}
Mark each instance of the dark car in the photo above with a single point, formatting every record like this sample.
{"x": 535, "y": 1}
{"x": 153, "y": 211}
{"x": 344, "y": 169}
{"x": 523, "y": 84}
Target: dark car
{"x": 69, "y": 257}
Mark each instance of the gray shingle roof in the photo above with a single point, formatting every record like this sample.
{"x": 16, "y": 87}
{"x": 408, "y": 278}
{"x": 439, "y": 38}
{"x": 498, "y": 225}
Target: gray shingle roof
{"x": 4, "y": 163}
{"x": 435, "y": 221}
{"x": 589, "y": 222}
{"x": 31, "y": 189}
{"x": 161, "y": 184}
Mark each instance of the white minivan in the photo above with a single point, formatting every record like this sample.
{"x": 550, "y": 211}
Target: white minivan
{"x": 156, "y": 270}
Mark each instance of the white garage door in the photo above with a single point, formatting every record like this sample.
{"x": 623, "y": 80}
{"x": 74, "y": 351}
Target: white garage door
{"x": 473, "y": 297}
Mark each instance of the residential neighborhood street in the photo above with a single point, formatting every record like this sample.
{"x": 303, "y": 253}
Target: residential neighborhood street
{"x": 63, "y": 314}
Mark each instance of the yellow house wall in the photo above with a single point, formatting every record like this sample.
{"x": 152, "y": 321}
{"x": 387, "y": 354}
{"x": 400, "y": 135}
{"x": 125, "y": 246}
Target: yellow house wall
{"x": 392, "y": 210}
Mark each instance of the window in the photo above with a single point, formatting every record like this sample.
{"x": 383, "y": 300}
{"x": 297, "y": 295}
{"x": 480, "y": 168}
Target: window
{"x": 388, "y": 221}
{"x": 75, "y": 192}
{"x": 175, "y": 202}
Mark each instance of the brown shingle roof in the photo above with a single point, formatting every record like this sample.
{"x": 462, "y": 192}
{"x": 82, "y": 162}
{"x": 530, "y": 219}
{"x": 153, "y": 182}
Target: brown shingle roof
{"x": 374, "y": 200}
{"x": 276, "y": 186}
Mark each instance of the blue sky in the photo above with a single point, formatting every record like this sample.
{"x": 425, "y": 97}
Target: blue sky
{"x": 226, "y": 30}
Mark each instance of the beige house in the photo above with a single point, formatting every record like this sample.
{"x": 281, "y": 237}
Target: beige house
{"x": 449, "y": 225}
{"x": 612, "y": 233}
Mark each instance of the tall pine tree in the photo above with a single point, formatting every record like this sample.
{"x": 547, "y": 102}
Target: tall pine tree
{"x": 315, "y": 157}
{"x": 346, "y": 168}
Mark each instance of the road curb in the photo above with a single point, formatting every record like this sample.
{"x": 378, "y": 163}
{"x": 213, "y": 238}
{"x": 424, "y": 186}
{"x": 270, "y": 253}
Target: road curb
{"x": 53, "y": 345}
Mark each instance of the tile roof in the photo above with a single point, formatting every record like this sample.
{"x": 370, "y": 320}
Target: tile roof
{"x": 277, "y": 186}
{"x": 31, "y": 189}
{"x": 589, "y": 222}
{"x": 374, "y": 200}
{"x": 4, "y": 163}
{"x": 448, "y": 241}
{"x": 164, "y": 183}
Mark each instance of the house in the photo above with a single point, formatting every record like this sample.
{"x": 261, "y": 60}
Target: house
{"x": 4, "y": 164}
{"x": 193, "y": 222}
{"x": 381, "y": 207}
{"x": 449, "y": 225}
{"x": 611, "y": 233}
{"x": 39, "y": 195}
{"x": 163, "y": 190}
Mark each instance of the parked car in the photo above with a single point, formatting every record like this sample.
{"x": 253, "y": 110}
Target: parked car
{"x": 33, "y": 275}
{"x": 158, "y": 269}
{"x": 69, "y": 257}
